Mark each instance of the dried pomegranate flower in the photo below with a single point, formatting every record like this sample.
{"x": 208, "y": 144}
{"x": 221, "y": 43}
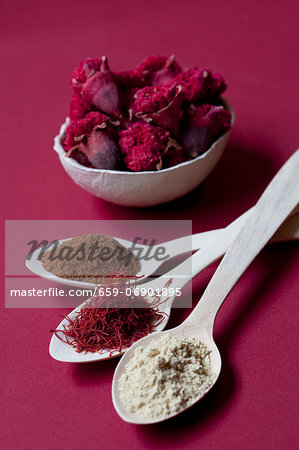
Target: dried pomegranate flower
{"x": 126, "y": 81}
{"x": 101, "y": 150}
{"x": 83, "y": 127}
{"x": 203, "y": 125}
{"x": 152, "y": 105}
{"x": 143, "y": 146}
{"x": 200, "y": 85}
{"x": 92, "y": 138}
{"x": 159, "y": 105}
{"x": 152, "y": 98}
{"x": 82, "y": 72}
{"x": 174, "y": 154}
{"x": 158, "y": 70}
{"x": 95, "y": 82}
{"x": 78, "y": 108}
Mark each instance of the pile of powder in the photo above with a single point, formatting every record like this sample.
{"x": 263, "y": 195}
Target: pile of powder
{"x": 89, "y": 258}
{"x": 165, "y": 377}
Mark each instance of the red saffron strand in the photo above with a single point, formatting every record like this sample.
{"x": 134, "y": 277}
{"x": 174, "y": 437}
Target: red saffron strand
{"x": 102, "y": 325}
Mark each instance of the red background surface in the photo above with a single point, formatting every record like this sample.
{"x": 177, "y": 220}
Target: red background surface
{"x": 254, "y": 44}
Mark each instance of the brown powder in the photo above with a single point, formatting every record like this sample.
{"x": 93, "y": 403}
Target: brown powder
{"x": 89, "y": 258}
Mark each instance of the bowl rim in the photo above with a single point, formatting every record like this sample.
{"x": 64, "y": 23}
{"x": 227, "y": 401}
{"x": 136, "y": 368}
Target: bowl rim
{"x": 61, "y": 153}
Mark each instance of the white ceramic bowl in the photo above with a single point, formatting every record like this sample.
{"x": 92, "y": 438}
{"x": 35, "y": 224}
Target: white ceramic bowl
{"x": 142, "y": 188}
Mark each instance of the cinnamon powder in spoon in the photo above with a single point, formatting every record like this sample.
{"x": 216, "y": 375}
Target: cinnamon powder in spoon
{"x": 89, "y": 258}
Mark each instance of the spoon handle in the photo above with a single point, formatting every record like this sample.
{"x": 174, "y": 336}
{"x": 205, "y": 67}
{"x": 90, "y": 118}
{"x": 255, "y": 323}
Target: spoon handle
{"x": 278, "y": 200}
{"x": 289, "y": 231}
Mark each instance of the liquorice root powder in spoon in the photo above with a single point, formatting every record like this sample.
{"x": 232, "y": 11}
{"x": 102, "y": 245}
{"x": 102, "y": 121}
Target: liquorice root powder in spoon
{"x": 89, "y": 258}
{"x": 165, "y": 377}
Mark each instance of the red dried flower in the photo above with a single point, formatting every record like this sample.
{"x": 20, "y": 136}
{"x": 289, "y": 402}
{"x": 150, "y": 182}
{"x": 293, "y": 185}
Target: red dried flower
{"x": 204, "y": 124}
{"x": 159, "y": 105}
{"x": 90, "y": 137}
{"x": 152, "y": 105}
{"x": 78, "y": 108}
{"x": 200, "y": 85}
{"x": 95, "y": 82}
{"x": 82, "y": 128}
{"x": 158, "y": 70}
{"x": 152, "y": 98}
{"x": 143, "y": 146}
{"x": 174, "y": 154}
{"x": 82, "y": 72}
{"x": 126, "y": 81}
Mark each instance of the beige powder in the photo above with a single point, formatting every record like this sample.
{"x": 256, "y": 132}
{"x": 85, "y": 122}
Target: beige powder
{"x": 165, "y": 376}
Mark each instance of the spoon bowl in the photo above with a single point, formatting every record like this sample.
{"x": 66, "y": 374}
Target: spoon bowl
{"x": 34, "y": 264}
{"x": 61, "y": 351}
{"x": 178, "y": 332}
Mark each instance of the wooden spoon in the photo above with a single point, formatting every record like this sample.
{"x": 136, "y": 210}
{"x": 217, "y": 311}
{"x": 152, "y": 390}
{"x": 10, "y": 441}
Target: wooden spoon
{"x": 289, "y": 231}
{"x": 276, "y": 203}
